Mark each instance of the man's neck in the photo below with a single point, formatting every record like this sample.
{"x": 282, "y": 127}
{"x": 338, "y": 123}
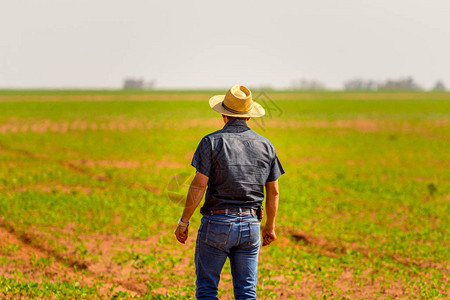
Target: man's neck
{"x": 237, "y": 121}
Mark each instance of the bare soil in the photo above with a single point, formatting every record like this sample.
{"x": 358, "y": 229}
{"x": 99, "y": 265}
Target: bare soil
{"x": 101, "y": 266}
{"x": 360, "y": 124}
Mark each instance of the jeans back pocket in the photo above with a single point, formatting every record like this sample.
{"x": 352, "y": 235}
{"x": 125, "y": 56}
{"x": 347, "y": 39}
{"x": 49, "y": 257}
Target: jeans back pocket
{"x": 217, "y": 233}
{"x": 255, "y": 239}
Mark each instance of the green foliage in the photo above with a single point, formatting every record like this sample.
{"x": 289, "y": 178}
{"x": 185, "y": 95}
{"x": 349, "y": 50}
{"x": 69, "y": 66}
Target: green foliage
{"x": 366, "y": 177}
{"x": 61, "y": 290}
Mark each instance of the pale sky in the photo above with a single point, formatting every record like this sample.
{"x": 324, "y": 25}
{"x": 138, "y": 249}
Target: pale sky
{"x": 206, "y": 44}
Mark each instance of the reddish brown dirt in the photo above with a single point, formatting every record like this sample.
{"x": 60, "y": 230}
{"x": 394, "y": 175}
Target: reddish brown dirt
{"x": 101, "y": 266}
{"x": 109, "y": 163}
{"x": 205, "y": 96}
{"x": 331, "y": 249}
{"x": 52, "y": 188}
{"x": 67, "y": 265}
{"x": 128, "y": 164}
{"x": 361, "y": 125}
{"x": 84, "y": 167}
{"x": 328, "y": 248}
{"x": 60, "y": 268}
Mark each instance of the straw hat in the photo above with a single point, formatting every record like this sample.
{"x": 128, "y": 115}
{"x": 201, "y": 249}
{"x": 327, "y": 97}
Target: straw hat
{"x": 237, "y": 103}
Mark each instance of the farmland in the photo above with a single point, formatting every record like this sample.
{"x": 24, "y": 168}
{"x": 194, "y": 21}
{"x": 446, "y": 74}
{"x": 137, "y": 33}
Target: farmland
{"x": 92, "y": 184}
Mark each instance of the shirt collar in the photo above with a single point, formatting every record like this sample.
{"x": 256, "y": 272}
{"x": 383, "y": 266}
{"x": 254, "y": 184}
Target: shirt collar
{"x": 236, "y": 123}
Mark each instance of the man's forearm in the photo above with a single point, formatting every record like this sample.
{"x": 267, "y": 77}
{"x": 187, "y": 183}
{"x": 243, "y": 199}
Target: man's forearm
{"x": 272, "y": 195}
{"x": 194, "y": 197}
{"x": 271, "y": 209}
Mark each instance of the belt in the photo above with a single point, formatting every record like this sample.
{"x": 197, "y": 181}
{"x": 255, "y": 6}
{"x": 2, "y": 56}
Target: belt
{"x": 233, "y": 211}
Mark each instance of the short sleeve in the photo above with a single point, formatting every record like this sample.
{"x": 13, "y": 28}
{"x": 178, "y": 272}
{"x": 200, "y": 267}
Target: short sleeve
{"x": 202, "y": 157}
{"x": 276, "y": 170}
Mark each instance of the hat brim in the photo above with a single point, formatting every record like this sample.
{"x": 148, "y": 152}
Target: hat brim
{"x": 216, "y": 104}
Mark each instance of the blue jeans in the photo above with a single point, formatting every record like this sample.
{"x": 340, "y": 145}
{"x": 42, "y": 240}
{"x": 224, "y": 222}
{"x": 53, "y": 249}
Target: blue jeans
{"x": 221, "y": 236}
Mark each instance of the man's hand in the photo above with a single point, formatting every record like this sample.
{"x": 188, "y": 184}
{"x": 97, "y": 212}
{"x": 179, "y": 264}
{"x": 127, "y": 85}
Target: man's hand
{"x": 181, "y": 233}
{"x": 268, "y": 234}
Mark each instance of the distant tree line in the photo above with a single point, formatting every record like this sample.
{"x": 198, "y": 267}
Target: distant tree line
{"x": 138, "y": 84}
{"x": 439, "y": 86}
{"x": 308, "y": 84}
{"x": 360, "y": 84}
{"x": 404, "y": 84}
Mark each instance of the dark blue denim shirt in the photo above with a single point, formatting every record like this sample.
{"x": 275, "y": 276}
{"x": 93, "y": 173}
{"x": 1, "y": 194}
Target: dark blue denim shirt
{"x": 238, "y": 162}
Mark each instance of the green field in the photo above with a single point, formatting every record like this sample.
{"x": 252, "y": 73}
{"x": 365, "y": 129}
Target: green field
{"x": 92, "y": 184}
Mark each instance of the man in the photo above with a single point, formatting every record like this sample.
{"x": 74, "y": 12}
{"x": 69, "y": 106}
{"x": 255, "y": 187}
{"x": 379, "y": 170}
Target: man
{"x": 234, "y": 164}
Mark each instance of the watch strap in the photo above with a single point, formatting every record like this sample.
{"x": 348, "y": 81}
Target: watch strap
{"x": 180, "y": 222}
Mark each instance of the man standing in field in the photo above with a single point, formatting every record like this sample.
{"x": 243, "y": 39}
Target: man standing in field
{"x": 233, "y": 165}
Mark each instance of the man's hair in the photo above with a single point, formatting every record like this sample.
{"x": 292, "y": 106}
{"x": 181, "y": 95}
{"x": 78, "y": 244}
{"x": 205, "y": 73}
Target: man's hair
{"x": 237, "y": 118}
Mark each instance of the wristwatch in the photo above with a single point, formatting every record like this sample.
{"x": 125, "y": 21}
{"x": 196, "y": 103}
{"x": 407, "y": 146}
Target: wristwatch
{"x": 185, "y": 224}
